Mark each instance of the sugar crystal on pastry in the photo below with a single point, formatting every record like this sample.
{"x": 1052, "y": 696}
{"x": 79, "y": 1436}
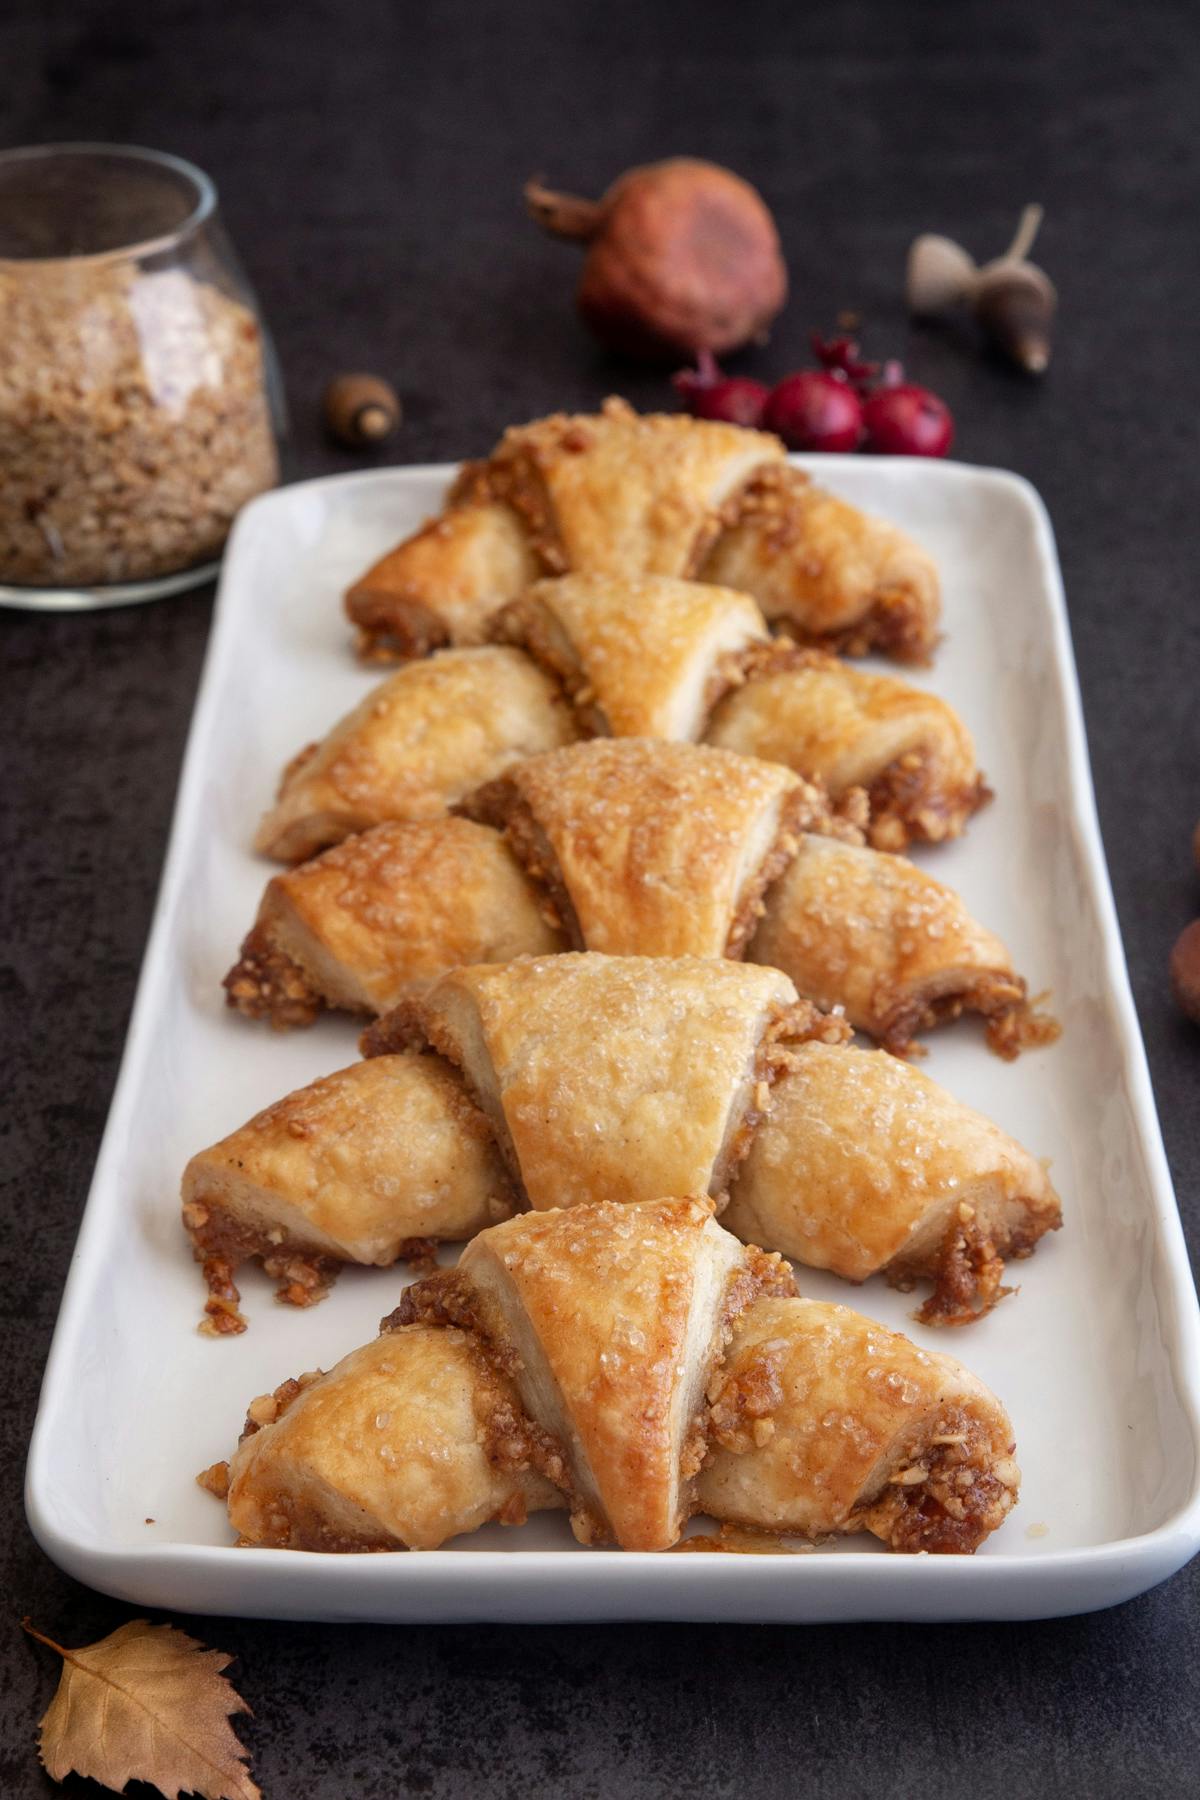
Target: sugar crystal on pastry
{"x": 621, "y": 495}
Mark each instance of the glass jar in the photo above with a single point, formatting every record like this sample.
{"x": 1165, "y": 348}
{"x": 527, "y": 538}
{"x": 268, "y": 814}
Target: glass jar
{"x": 140, "y": 403}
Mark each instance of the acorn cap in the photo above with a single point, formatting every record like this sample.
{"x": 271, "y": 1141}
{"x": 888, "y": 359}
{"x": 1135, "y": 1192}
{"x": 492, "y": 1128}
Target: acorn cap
{"x": 1015, "y": 303}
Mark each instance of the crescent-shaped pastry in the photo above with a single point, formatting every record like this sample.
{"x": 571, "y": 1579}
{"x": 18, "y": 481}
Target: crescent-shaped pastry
{"x": 407, "y": 1442}
{"x": 611, "y": 1320}
{"x": 652, "y": 849}
{"x": 639, "y": 1364}
{"x": 895, "y": 950}
{"x": 381, "y": 916}
{"x": 619, "y": 493}
{"x": 626, "y": 496}
{"x": 824, "y": 1421}
{"x": 607, "y": 493}
{"x": 827, "y": 573}
{"x": 442, "y": 586}
{"x": 613, "y": 1078}
{"x": 850, "y": 729}
{"x": 371, "y": 1164}
{"x": 416, "y": 744}
{"x": 864, "y": 1165}
{"x": 640, "y": 656}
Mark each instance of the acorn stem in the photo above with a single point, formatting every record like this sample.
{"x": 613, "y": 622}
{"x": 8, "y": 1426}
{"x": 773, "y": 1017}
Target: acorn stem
{"x": 1028, "y": 226}
{"x": 563, "y": 215}
{"x": 361, "y": 409}
{"x": 372, "y": 421}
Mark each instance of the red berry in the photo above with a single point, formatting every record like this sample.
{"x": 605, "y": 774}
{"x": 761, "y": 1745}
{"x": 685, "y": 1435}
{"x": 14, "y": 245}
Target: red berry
{"x": 815, "y": 411}
{"x": 908, "y": 421}
{"x": 735, "y": 401}
{"x": 708, "y": 394}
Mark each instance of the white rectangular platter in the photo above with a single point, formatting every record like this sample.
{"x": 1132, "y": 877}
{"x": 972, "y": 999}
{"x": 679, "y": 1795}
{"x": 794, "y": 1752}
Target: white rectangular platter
{"x": 1097, "y": 1357}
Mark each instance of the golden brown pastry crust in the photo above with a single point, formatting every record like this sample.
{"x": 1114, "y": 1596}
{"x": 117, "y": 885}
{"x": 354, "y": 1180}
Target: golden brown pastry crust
{"x": 652, "y": 849}
{"x": 897, "y": 950}
{"x": 824, "y": 1421}
{"x": 640, "y": 656}
{"x": 615, "y": 492}
{"x": 610, "y": 1319}
{"x": 416, "y": 744}
{"x": 605, "y": 493}
{"x": 614, "y": 1078}
{"x": 407, "y": 1442}
{"x": 850, "y": 729}
{"x": 640, "y": 1363}
{"x": 442, "y": 585}
{"x": 825, "y": 572}
{"x": 358, "y": 1167}
{"x": 865, "y": 1165}
{"x": 382, "y": 915}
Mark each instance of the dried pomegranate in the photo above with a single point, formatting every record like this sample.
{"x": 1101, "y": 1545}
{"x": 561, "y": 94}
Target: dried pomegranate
{"x": 683, "y": 256}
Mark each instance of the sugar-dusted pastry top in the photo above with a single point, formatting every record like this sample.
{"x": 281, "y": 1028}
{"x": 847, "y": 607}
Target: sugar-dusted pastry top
{"x": 864, "y": 1164}
{"x": 612, "y": 1318}
{"x": 826, "y": 572}
{"x": 443, "y": 585}
{"x": 410, "y": 1440}
{"x": 417, "y": 743}
{"x": 823, "y": 1420}
{"x": 380, "y": 916}
{"x": 631, "y": 847}
{"x": 614, "y": 1077}
{"x": 640, "y": 655}
{"x": 618, "y": 492}
{"x": 626, "y": 496}
{"x": 635, "y": 847}
{"x": 909, "y": 750}
{"x": 896, "y": 949}
{"x": 367, "y": 1165}
{"x": 638, "y": 1364}
{"x": 652, "y": 849}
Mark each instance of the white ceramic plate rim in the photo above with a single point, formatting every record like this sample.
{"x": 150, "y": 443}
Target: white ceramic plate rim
{"x": 487, "y": 1584}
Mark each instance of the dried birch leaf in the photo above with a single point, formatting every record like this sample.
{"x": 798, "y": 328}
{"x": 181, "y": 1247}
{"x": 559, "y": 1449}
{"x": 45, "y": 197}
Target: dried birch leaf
{"x": 147, "y": 1704}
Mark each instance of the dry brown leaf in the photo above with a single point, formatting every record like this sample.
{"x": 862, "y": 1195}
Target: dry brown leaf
{"x": 148, "y": 1704}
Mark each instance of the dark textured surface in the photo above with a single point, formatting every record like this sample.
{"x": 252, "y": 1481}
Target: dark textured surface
{"x": 369, "y": 158}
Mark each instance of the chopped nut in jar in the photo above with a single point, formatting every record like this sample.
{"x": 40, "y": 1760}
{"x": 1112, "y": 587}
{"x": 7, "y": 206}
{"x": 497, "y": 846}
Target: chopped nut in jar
{"x": 134, "y": 421}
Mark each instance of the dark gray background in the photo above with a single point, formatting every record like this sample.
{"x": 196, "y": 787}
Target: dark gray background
{"x": 369, "y": 159}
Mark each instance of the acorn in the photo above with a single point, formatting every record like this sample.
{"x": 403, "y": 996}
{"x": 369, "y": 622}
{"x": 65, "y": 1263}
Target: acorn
{"x": 361, "y": 410}
{"x": 1185, "y": 971}
{"x": 1013, "y": 300}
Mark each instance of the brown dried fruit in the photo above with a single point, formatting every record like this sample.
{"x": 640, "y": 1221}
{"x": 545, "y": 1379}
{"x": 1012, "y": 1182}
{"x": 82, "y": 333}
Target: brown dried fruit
{"x": 1185, "y": 971}
{"x": 683, "y": 256}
